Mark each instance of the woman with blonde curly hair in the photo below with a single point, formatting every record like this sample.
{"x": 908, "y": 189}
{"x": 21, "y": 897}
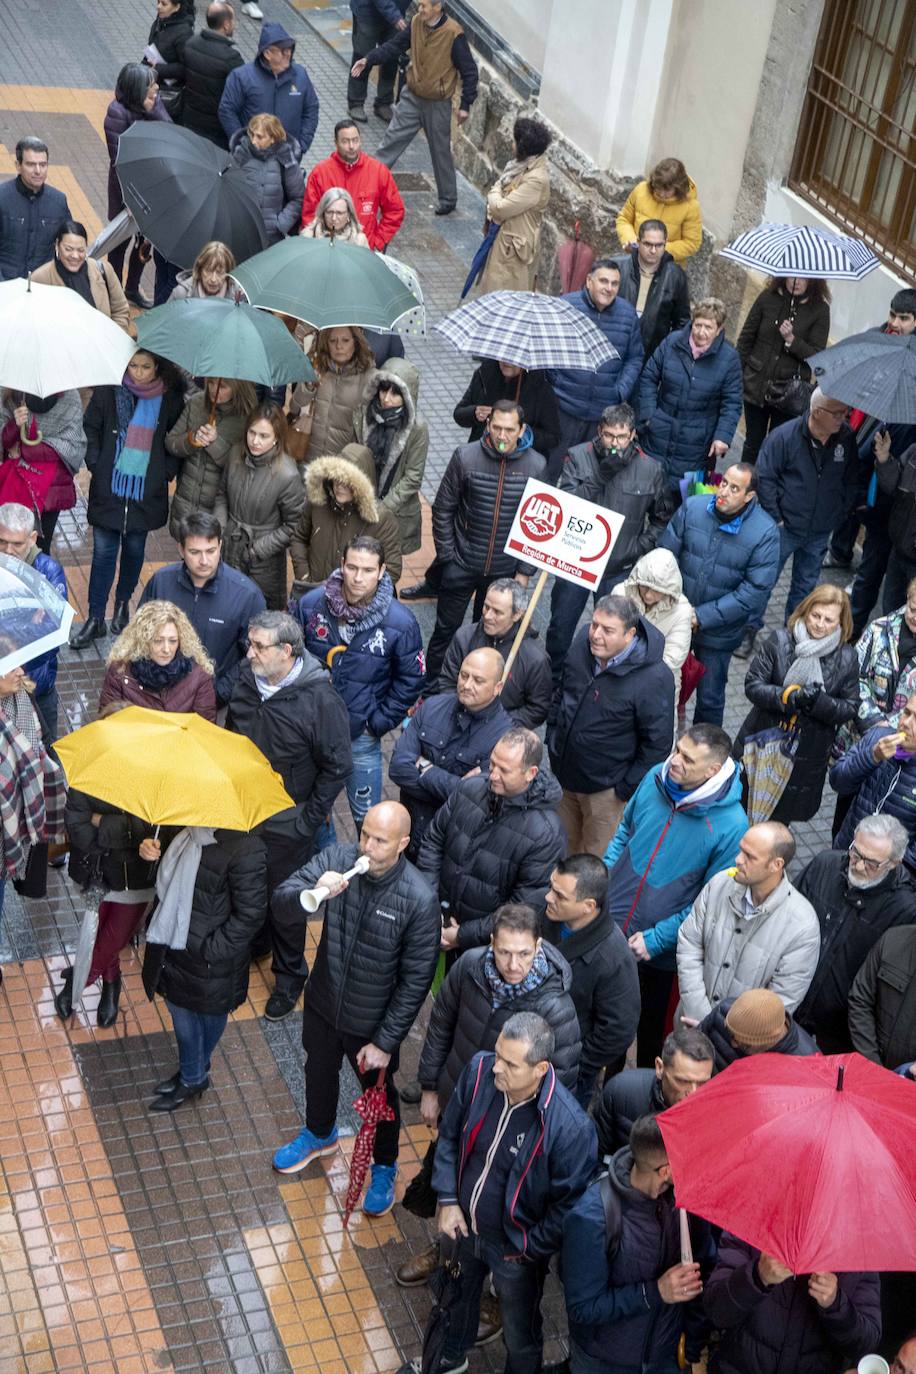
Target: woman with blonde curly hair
{"x": 159, "y": 662}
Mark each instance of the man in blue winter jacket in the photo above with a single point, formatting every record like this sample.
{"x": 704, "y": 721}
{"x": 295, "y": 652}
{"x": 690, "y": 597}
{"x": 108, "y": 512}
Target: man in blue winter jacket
{"x": 31, "y": 212}
{"x": 727, "y": 549}
{"x": 583, "y": 395}
{"x": 19, "y": 539}
{"x": 272, "y": 84}
{"x": 682, "y": 825}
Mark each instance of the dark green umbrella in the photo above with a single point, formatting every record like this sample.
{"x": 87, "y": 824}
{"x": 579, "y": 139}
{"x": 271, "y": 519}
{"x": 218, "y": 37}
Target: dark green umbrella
{"x": 224, "y": 338}
{"x": 325, "y": 283}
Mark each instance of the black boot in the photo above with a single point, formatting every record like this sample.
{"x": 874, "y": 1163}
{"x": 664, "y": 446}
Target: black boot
{"x": 121, "y": 617}
{"x": 64, "y": 999}
{"x": 107, "y": 1013}
{"x": 91, "y": 629}
{"x": 168, "y": 1085}
{"x": 170, "y": 1102}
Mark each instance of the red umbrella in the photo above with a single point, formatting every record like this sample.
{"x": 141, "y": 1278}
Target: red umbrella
{"x": 574, "y": 260}
{"x": 373, "y": 1107}
{"x": 810, "y": 1159}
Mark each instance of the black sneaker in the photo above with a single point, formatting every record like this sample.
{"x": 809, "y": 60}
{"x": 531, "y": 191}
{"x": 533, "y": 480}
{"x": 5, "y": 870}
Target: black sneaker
{"x": 358, "y": 113}
{"x": 279, "y": 1005}
{"x": 420, "y": 591}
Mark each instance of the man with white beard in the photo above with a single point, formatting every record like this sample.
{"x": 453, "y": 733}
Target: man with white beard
{"x": 858, "y": 894}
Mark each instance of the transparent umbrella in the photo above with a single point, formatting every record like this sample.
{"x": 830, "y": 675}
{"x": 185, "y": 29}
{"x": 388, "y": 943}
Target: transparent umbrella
{"x": 33, "y": 618}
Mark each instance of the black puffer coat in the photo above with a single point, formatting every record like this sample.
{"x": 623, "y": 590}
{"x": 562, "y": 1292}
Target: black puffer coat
{"x": 481, "y": 850}
{"x": 781, "y": 1330}
{"x": 110, "y": 851}
{"x": 170, "y": 35}
{"x": 275, "y": 180}
{"x": 378, "y": 947}
{"x": 464, "y": 1020}
{"x": 634, "y": 488}
{"x": 624, "y": 1098}
{"x": 488, "y": 385}
{"x": 210, "y": 975}
{"x": 836, "y": 703}
{"x": 110, "y": 512}
{"x": 762, "y": 349}
{"x": 796, "y": 1041}
{"x": 476, "y": 504}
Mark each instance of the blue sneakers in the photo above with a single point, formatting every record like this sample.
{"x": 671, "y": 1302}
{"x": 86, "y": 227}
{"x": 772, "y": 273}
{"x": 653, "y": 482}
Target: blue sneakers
{"x": 380, "y": 1194}
{"x": 299, "y": 1153}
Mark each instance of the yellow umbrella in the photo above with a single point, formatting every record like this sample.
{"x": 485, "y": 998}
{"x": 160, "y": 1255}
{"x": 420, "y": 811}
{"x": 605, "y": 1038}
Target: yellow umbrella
{"x": 172, "y": 768}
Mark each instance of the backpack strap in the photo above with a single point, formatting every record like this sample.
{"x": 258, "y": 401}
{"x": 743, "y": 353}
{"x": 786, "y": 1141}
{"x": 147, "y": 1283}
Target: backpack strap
{"x": 613, "y": 1216}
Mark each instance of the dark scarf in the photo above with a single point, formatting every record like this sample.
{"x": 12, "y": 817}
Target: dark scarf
{"x": 380, "y": 434}
{"x": 611, "y": 461}
{"x": 156, "y": 677}
{"x": 40, "y": 405}
{"x": 502, "y": 992}
{"x": 354, "y": 619}
{"x": 77, "y": 281}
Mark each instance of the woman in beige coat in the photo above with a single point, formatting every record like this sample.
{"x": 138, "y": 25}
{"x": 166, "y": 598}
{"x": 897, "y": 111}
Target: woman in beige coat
{"x": 343, "y": 360}
{"x": 656, "y": 590}
{"x": 93, "y": 279}
{"x": 517, "y": 203}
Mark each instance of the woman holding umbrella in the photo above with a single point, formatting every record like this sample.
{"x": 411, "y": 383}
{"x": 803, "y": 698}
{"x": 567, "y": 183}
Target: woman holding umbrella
{"x": 42, "y": 447}
{"x": 159, "y": 662}
{"x": 136, "y": 97}
{"x": 336, "y": 218}
{"x": 208, "y": 279}
{"x": 97, "y": 282}
{"x": 260, "y": 497}
{"x": 211, "y": 424}
{"x": 125, "y": 429}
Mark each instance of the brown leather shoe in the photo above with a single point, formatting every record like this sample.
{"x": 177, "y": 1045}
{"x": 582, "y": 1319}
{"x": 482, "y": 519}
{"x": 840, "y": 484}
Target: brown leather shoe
{"x": 490, "y": 1325}
{"x": 418, "y": 1268}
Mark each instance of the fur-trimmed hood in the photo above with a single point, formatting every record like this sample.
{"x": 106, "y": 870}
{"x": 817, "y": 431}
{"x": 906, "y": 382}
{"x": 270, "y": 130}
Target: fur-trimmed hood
{"x": 353, "y": 465}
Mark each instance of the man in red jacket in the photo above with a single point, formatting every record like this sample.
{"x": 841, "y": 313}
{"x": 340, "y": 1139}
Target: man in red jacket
{"x": 374, "y": 190}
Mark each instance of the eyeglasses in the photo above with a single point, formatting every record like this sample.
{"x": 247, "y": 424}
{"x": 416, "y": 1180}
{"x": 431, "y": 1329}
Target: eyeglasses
{"x": 261, "y": 648}
{"x": 837, "y": 414}
{"x": 870, "y": 865}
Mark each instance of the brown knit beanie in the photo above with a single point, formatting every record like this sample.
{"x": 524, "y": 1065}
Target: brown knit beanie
{"x": 757, "y": 1019}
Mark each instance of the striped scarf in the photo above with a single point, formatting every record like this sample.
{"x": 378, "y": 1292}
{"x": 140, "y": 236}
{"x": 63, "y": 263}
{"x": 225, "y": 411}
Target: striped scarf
{"x": 32, "y": 795}
{"x": 138, "y": 415}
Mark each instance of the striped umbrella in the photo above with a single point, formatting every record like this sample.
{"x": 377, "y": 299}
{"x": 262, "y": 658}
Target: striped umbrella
{"x": 802, "y": 250}
{"x": 528, "y": 330}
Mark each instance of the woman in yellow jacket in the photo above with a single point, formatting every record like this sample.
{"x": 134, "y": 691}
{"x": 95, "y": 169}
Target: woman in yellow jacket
{"x": 667, "y": 194}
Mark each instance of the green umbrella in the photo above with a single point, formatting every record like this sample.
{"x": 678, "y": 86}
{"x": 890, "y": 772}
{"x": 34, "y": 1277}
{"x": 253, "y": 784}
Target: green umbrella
{"x": 325, "y": 283}
{"x": 224, "y": 338}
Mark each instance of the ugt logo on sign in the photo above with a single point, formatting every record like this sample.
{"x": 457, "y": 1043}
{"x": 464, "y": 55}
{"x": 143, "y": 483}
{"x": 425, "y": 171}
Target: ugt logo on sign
{"x": 541, "y": 517}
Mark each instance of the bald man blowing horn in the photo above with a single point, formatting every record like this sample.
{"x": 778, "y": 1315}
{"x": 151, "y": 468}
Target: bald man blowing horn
{"x": 376, "y": 956}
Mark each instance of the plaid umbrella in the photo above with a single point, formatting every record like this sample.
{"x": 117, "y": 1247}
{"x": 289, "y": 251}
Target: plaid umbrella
{"x": 874, "y": 372}
{"x": 373, "y": 1107}
{"x": 528, "y": 330}
{"x": 802, "y": 250}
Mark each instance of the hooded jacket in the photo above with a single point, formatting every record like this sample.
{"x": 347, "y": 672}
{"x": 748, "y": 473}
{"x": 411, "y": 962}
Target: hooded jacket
{"x": 488, "y": 385}
{"x": 610, "y": 728}
{"x": 889, "y": 787}
{"x": 373, "y": 189}
{"x": 684, "y": 404}
{"x": 809, "y": 487}
{"x": 200, "y": 469}
{"x": 379, "y": 671}
{"x": 852, "y": 921}
{"x": 613, "y": 1304}
{"x": 722, "y": 950}
{"x": 680, "y": 217}
{"x": 882, "y": 1002}
{"x": 780, "y": 1330}
{"x": 323, "y": 528}
{"x": 302, "y": 730}
{"x": 454, "y": 741}
{"x": 476, "y": 504}
{"x": 528, "y": 689}
{"x": 377, "y": 949}
{"x": 668, "y": 303}
{"x": 605, "y": 993}
{"x": 398, "y": 484}
{"x": 209, "y": 57}
{"x": 624, "y": 1099}
{"x": 584, "y": 394}
{"x": 219, "y": 611}
{"x": 29, "y": 222}
{"x": 729, "y": 568}
{"x": 664, "y": 852}
{"x": 552, "y": 1168}
{"x": 126, "y": 514}
{"x": 275, "y": 179}
{"x": 672, "y": 615}
{"x": 481, "y": 850}
{"x": 796, "y": 1040}
{"x": 464, "y": 1021}
{"x": 633, "y": 485}
{"x": 253, "y": 89}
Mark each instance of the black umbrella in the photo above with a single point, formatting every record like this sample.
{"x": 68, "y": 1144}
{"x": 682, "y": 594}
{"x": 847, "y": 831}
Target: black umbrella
{"x": 874, "y": 372}
{"x": 183, "y": 191}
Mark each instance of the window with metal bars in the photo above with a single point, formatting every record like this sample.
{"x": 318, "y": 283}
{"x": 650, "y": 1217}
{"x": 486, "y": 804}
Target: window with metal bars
{"x": 855, "y": 155}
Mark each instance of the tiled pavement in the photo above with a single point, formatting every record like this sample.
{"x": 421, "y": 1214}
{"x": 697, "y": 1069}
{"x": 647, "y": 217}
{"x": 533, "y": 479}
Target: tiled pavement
{"x": 136, "y": 1244}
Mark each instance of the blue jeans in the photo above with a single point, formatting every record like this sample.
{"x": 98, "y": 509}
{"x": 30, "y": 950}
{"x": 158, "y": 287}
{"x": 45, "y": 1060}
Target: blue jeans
{"x": 105, "y": 546}
{"x": 47, "y": 707}
{"x": 710, "y": 707}
{"x": 519, "y": 1285}
{"x": 807, "y": 554}
{"x": 364, "y": 786}
{"x": 198, "y": 1035}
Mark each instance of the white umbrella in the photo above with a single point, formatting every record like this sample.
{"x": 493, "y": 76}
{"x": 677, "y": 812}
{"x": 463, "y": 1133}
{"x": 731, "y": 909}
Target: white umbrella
{"x": 413, "y": 321}
{"x": 52, "y": 340}
{"x": 32, "y": 614}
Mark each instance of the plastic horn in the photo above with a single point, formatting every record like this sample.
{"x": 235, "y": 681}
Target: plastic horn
{"x": 312, "y": 897}
{"x": 873, "y": 1364}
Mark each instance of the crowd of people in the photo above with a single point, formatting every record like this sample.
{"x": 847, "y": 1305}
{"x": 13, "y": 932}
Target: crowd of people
{"x": 584, "y": 878}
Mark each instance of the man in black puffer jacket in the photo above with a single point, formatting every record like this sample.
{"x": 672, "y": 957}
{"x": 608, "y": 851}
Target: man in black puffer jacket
{"x": 472, "y": 515}
{"x": 376, "y": 957}
{"x": 754, "y": 1023}
{"x": 684, "y": 1065}
{"x": 497, "y": 839}
{"x": 209, "y": 57}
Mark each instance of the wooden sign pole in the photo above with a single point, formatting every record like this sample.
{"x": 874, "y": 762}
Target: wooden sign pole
{"x": 525, "y": 622}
